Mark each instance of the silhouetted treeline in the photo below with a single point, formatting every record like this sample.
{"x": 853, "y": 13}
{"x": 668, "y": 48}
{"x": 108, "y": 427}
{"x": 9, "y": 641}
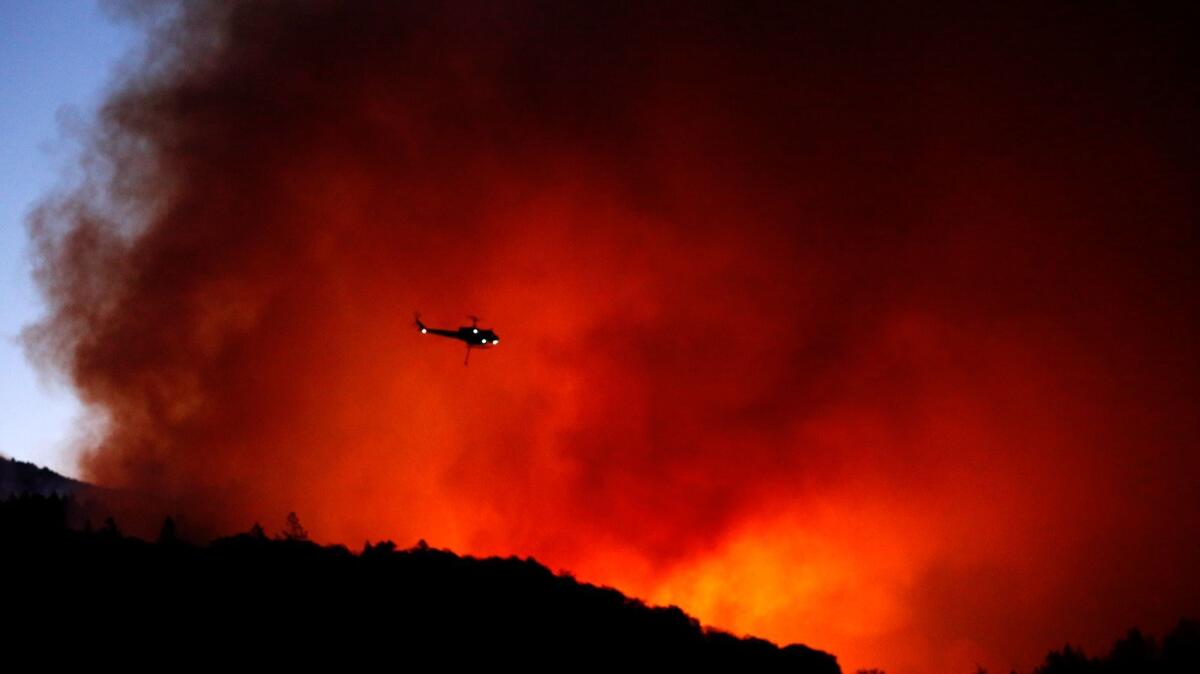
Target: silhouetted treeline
{"x": 19, "y": 478}
{"x": 1136, "y": 653}
{"x": 283, "y": 600}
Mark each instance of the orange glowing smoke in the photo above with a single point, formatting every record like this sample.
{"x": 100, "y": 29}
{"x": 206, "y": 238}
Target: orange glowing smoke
{"x": 874, "y": 332}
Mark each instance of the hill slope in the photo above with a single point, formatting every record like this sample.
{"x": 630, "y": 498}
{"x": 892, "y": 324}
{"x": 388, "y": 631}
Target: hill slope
{"x": 19, "y": 477}
{"x": 302, "y": 600}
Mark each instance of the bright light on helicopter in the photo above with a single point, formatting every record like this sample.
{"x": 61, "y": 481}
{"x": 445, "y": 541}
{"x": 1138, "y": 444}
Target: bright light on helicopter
{"x": 423, "y": 331}
{"x": 495, "y": 342}
{"x": 475, "y": 330}
{"x": 483, "y": 341}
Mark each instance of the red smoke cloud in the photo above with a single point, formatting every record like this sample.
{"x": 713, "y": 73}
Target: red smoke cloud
{"x": 871, "y": 329}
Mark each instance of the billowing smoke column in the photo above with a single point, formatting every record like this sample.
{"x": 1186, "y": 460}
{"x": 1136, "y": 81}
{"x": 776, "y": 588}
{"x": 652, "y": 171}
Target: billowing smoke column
{"x": 871, "y": 328}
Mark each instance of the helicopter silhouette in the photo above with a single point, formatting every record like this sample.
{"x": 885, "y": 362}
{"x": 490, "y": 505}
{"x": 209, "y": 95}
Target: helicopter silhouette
{"x": 472, "y": 335}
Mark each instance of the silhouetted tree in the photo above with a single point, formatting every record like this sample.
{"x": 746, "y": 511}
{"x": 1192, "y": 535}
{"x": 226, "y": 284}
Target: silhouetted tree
{"x": 293, "y": 530}
{"x": 110, "y": 529}
{"x": 256, "y": 532}
{"x": 167, "y": 535}
{"x": 1133, "y": 653}
{"x": 382, "y": 549}
{"x": 1067, "y": 661}
{"x": 1181, "y": 648}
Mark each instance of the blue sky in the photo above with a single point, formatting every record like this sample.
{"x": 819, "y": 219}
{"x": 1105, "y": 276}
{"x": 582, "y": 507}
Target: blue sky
{"x": 56, "y": 57}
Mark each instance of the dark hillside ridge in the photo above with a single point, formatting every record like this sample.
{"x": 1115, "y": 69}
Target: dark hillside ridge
{"x": 20, "y": 478}
{"x": 287, "y": 600}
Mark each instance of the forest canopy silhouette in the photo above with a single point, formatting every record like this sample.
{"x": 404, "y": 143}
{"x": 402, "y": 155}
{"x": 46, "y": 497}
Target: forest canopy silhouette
{"x": 385, "y": 603}
{"x": 420, "y": 605}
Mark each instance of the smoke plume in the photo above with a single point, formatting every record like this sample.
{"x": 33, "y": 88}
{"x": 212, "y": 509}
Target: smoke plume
{"x": 870, "y": 327}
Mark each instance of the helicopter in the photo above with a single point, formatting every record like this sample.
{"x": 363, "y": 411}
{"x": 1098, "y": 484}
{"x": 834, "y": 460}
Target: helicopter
{"x": 474, "y": 336}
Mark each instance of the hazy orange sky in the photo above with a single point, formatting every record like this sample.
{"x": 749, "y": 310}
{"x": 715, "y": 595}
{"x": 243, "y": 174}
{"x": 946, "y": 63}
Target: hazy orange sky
{"x": 867, "y": 327}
